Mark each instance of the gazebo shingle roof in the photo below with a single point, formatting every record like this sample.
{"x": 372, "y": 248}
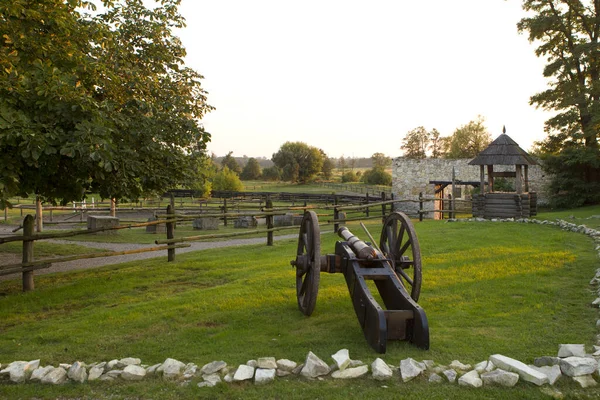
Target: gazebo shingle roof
{"x": 503, "y": 151}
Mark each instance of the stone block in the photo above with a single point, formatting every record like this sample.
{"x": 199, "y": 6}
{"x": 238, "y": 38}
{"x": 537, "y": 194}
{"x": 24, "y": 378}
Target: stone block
{"x": 102, "y": 221}
{"x": 283, "y": 220}
{"x": 160, "y": 228}
{"x": 245, "y": 222}
{"x": 206, "y": 224}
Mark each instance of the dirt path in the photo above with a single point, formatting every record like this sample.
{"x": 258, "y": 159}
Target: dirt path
{"x": 102, "y": 261}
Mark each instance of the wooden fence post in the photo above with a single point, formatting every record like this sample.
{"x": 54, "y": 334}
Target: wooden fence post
{"x": 173, "y": 209}
{"x": 224, "y": 212}
{"x": 170, "y": 232}
{"x": 28, "y": 227}
{"x": 269, "y": 205}
{"x": 393, "y": 205}
{"x": 367, "y": 210}
{"x": 113, "y": 208}
{"x": 383, "y": 207}
{"x": 336, "y": 215}
{"x": 421, "y": 206}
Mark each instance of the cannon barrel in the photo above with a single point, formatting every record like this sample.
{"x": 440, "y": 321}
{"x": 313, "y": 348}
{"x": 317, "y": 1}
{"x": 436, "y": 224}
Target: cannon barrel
{"x": 362, "y": 250}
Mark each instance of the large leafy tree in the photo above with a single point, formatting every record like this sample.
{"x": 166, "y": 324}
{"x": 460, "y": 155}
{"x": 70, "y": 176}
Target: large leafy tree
{"x": 467, "y": 140}
{"x": 415, "y": 143}
{"x": 567, "y": 34}
{"x": 98, "y": 102}
{"x": 230, "y": 162}
{"x": 298, "y": 161}
{"x": 252, "y": 170}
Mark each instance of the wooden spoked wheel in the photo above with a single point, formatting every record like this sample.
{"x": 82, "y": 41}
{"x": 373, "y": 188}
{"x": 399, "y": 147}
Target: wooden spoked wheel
{"x": 308, "y": 263}
{"x": 399, "y": 243}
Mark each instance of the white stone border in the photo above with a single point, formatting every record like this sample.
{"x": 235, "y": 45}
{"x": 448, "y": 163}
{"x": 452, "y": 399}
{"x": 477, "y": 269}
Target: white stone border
{"x": 572, "y": 360}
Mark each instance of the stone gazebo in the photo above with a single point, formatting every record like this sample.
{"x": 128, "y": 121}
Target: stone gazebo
{"x": 491, "y": 204}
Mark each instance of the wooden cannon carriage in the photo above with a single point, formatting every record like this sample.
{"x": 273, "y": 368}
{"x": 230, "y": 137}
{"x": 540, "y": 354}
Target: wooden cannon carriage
{"x": 394, "y": 267}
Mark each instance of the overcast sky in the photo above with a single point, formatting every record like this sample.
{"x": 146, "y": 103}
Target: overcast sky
{"x": 352, "y": 77}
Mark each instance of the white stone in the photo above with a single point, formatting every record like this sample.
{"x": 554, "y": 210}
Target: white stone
{"x": 112, "y": 364}
{"x": 122, "y": 363}
{"x": 228, "y": 378}
{"x": 16, "y": 371}
{"x": 39, "y": 373}
{"x": 429, "y": 363}
{"x": 596, "y": 302}
{"x": 190, "y": 371}
{"x": 213, "y": 367}
{"x": 381, "y": 371}
{"x": 457, "y": 365}
{"x": 356, "y": 363}
{"x": 435, "y": 378}
{"x": 281, "y": 373}
{"x": 212, "y": 379}
{"x": 552, "y": 372}
{"x": 286, "y": 365}
{"x": 571, "y": 350}
{"x": 55, "y": 377}
{"x": 152, "y": 369}
{"x": 578, "y": 366}
{"x": 113, "y": 373}
{"x": 77, "y": 372}
{"x": 243, "y": 373}
{"x": 526, "y": 373}
{"x": 351, "y": 373}
{"x": 500, "y": 377}
{"x": 133, "y": 372}
{"x": 65, "y": 366}
{"x": 314, "y": 367}
{"x": 470, "y": 379}
{"x": 585, "y": 381}
{"x": 252, "y": 363}
{"x": 342, "y": 359}
{"x": 410, "y": 369}
{"x": 264, "y": 375}
{"x": 484, "y": 366}
{"x": 171, "y": 369}
{"x": 95, "y": 372}
{"x": 451, "y": 375}
{"x": 266, "y": 363}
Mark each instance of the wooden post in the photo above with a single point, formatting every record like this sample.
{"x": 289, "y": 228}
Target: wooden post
{"x": 393, "y": 205}
{"x": 451, "y": 206}
{"x": 5, "y": 214}
{"x": 481, "y": 180}
{"x": 113, "y": 207}
{"x": 173, "y": 209}
{"x": 28, "y": 227}
{"x": 170, "y": 232}
{"x": 421, "y": 206}
{"x": 518, "y": 181}
{"x": 490, "y": 169}
{"x": 39, "y": 218}
{"x": 383, "y": 207}
{"x": 367, "y": 209}
{"x": 336, "y": 215}
{"x": 269, "y": 205}
{"x": 224, "y": 212}
{"x": 526, "y": 178}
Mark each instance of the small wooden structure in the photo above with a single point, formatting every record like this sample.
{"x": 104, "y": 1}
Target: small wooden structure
{"x": 491, "y": 204}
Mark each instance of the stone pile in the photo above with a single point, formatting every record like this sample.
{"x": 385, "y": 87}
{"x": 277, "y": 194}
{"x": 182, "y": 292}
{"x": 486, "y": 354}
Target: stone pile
{"x": 572, "y": 362}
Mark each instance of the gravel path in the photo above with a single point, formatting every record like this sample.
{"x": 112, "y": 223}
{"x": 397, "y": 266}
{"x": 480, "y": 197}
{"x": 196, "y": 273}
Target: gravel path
{"x": 102, "y": 261}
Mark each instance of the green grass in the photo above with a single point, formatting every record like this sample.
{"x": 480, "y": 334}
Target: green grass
{"x": 589, "y": 216}
{"x": 487, "y": 288}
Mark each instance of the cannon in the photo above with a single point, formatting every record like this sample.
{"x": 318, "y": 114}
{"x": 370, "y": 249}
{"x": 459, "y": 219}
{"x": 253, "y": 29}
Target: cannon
{"x": 394, "y": 267}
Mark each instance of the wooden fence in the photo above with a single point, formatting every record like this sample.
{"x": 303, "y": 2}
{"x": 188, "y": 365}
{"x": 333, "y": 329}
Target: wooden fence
{"x": 334, "y": 214}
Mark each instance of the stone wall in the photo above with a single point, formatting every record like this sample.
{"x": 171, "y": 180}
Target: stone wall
{"x": 410, "y": 177}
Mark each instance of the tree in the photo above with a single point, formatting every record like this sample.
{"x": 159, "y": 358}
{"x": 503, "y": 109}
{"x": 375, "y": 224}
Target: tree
{"x": 567, "y": 34}
{"x": 327, "y": 168}
{"x": 271, "y": 173}
{"x": 298, "y": 161}
{"x": 377, "y": 176}
{"x": 342, "y": 164}
{"x": 380, "y": 160}
{"x": 226, "y": 179}
{"x": 251, "y": 170}
{"x": 97, "y": 102}
{"x": 230, "y": 162}
{"x": 415, "y": 143}
{"x": 468, "y": 140}
{"x": 436, "y": 144}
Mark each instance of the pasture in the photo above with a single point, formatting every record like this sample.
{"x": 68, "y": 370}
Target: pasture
{"x": 487, "y": 288}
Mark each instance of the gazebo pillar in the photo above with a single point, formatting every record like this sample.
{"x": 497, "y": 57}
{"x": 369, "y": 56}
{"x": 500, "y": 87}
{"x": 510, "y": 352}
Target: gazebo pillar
{"x": 526, "y": 178}
{"x": 490, "y": 170}
{"x": 481, "y": 180}
{"x": 518, "y": 179}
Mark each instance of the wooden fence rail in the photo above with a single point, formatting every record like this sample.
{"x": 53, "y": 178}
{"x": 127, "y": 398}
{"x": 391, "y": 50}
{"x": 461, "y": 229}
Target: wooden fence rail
{"x": 363, "y": 209}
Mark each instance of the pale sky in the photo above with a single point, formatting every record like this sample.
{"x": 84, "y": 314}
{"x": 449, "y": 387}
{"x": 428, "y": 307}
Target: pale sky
{"x": 352, "y": 77}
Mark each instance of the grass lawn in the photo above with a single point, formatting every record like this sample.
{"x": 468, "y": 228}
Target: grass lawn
{"x": 487, "y": 288}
